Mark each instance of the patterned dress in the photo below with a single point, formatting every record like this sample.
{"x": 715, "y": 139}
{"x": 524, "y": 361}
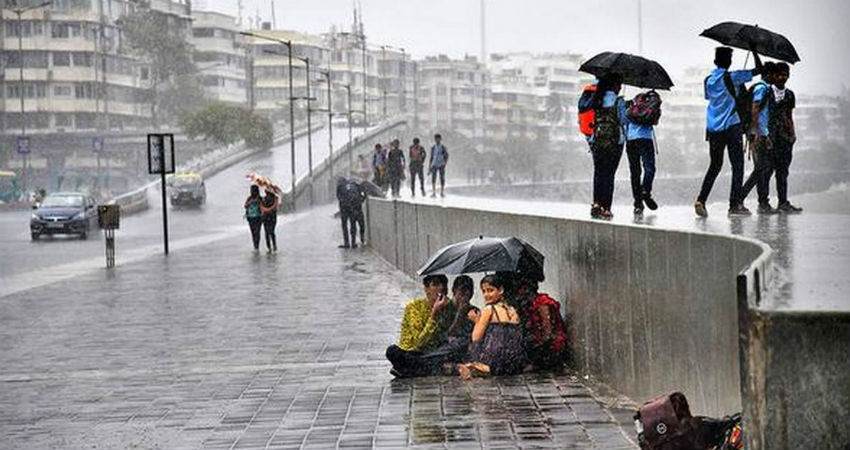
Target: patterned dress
{"x": 502, "y": 346}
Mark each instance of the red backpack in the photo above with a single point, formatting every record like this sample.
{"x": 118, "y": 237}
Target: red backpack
{"x": 645, "y": 109}
{"x": 665, "y": 423}
{"x": 586, "y": 113}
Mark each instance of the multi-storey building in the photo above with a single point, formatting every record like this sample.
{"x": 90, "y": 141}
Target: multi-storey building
{"x": 220, "y": 56}
{"x": 455, "y": 95}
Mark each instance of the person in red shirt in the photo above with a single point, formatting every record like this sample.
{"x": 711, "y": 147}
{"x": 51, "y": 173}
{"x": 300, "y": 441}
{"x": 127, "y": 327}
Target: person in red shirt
{"x": 544, "y": 331}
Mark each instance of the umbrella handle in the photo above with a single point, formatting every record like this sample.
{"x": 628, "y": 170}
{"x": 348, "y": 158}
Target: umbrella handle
{"x": 747, "y": 59}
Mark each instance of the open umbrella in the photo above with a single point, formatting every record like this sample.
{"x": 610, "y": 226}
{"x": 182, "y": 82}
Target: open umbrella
{"x": 263, "y": 182}
{"x": 753, "y": 37}
{"x": 636, "y": 70}
{"x": 486, "y": 254}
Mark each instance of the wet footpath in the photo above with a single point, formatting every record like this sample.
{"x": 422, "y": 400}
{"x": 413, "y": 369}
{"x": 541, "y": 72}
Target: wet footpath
{"x": 219, "y": 347}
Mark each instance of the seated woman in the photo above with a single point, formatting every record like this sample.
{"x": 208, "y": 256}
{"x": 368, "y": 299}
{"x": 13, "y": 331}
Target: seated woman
{"x": 497, "y": 337}
{"x": 423, "y": 328}
{"x": 544, "y": 331}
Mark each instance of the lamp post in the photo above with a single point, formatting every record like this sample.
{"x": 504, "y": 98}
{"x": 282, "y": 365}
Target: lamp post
{"x": 327, "y": 75}
{"x": 288, "y": 45}
{"x": 348, "y": 94}
{"x": 19, "y": 12}
{"x": 306, "y": 61}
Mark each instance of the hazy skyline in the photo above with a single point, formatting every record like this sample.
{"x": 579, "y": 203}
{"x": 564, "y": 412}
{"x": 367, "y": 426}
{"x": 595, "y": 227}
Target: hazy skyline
{"x": 671, "y": 28}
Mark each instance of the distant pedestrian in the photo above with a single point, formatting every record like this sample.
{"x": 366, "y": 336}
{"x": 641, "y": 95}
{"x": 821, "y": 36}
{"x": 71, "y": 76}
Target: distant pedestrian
{"x": 497, "y": 342}
{"x": 361, "y": 168}
{"x": 723, "y": 128}
{"x": 437, "y": 165}
{"x": 254, "y": 215}
{"x": 350, "y": 196}
{"x": 269, "y": 207}
{"x": 606, "y": 143}
{"x": 416, "y": 160}
{"x": 761, "y": 142}
{"x": 379, "y": 166}
{"x": 395, "y": 167}
{"x": 642, "y": 114}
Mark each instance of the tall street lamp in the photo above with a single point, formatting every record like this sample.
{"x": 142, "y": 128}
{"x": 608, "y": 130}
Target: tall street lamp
{"x": 306, "y": 61}
{"x": 327, "y": 75}
{"x": 19, "y": 12}
{"x": 348, "y": 103}
{"x": 288, "y": 45}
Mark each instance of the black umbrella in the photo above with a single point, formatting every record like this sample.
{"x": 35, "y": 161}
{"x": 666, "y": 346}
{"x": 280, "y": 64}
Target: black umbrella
{"x": 635, "y": 70}
{"x": 752, "y": 37}
{"x": 486, "y": 254}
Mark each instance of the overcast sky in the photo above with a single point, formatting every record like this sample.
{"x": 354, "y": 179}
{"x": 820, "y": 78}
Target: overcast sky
{"x": 817, "y": 28}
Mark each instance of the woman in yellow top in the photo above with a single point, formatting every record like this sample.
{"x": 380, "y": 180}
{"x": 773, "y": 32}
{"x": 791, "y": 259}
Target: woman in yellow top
{"x": 424, "y": 327}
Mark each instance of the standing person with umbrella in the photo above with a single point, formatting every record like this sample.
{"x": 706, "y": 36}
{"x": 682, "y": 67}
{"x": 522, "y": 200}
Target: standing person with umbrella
{"x": 269, "y": 207}
{"x": 724, "y": 129}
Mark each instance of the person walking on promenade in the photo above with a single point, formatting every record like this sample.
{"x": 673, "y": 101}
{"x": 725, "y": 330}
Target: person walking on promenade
{"x": 395, "y": 166}
{"x": 545, "y": 335}
{"x": 423, "y": 328}
{"x": 379, "y": 166}
{"x": 254, "y": 215}
{"x": 497, "y": 345}
{"x": 724, "y": 129}
{"x": 761, "y": 142}
{"x": 268, "y": 208}
{"x": 782, "y": 135}
{"x": 437, "y": 165}
{"x": 416, "y": 156}
{"x": 642, "y": 115}
{"x": 350, "y": 196}
{"x": 606, "y": 143}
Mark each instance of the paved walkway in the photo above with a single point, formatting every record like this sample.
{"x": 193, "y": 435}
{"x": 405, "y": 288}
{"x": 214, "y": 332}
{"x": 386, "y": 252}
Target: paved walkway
{"x": 218, "y": 347}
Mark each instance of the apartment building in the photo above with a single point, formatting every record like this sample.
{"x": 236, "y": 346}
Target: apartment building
{"x": 220, "y": 56}
{"x": 455, "y": 95}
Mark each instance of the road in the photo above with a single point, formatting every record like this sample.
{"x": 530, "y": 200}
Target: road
{"x": 27, "y": 264}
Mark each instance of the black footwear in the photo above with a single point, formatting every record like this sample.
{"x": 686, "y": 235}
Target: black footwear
{"x": 739, "y": 210}
{"x": 595, "y": 211}
{"x": 396, "y": 373}
{"x": 638, "y": 210}
{"x": 606, "y": 214}
{"x": 766, "y": 209}
{"x": 788, "y": 208}
{"x": 344, "y": 246}
{"x": 699, "y": 208}
{"x": 353, "y": 245}
{"x": 650, "y": 202}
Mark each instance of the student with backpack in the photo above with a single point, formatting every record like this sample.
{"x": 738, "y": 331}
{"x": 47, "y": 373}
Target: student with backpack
{"x": 642, "y": 114}
{"x": 350, "y": 196}
{"x": 760, "y": 141}
{"x": 254, "y": 215}
{"x": 727, "y": 102}
{"x": 606, "y": 141}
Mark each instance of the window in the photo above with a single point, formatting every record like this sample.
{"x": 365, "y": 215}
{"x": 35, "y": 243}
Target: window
{"x": 59, "y": 31}
{"x": 82, "y": 59}
{"x": 62, "y": 91}
{"x": 61, "y": 59}
{"x": 83, "y": 90}
{"x": 13, "y": 91}
{"x": 63, "y": 120}
{"x": 144, "y": 73}
{"x": 203, "y": 32}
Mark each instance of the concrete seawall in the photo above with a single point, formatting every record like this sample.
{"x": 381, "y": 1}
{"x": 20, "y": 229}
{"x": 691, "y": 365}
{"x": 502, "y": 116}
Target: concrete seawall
{"x": 654, "y": 310}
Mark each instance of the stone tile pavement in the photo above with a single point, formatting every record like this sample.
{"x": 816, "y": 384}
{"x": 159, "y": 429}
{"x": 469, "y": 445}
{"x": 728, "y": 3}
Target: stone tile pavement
{"x": 217, "y": 347}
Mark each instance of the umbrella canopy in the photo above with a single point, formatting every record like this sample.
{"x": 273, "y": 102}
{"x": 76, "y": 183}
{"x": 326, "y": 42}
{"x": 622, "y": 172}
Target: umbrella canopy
{"x": 264, "y": 183}
{"x": 486, "y": 254}
{"x": 635, "y": 70}
{"x": 752, "y": 37}
{"x": 371, "y": 189}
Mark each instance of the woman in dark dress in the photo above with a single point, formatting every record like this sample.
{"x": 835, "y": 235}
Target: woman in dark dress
{"x": 269, "y": 208}
{"x": 254, "y": 215}
{"x": 497, "y": 343}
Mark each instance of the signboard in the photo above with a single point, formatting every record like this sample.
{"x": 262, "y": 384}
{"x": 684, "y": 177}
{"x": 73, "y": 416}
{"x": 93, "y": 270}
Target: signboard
{"x": 160, "y": 153}
{"x": 23, "y": 145}
{"x": 108, "y": 216}
{"x": 97, "y": 144}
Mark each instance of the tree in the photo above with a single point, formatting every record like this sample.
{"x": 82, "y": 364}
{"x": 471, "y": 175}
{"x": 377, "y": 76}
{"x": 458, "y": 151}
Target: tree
{"x": 151, "y": 37}
{"x": 225, "y": 124}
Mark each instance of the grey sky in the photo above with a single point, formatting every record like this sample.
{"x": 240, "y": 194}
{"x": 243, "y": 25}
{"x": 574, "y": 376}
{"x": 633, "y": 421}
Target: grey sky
{"x": 426, "y": 27}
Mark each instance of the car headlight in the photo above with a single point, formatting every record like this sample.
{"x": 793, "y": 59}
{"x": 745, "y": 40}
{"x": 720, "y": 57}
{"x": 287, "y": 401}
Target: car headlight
{"x": 35, "y": 216}
{"x": 78, "y": 215}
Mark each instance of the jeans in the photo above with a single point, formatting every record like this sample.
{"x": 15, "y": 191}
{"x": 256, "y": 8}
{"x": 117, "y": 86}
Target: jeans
{"x": 641, "y": 150}
{"x": 434, "y": 172}
{"x": 411, "y": 364}
{"x": 417, "y": 170}
{"x": 730, "y": 139}
{"x": 350, "y": 220}
{"x": 762, "y": 170}
{"x": 605, "y": 163}
{"x": 269, "y": 224}
{"x": 777, "y": 161}
{"x": 395, "y": 181}
{"x": 255, "y": 224}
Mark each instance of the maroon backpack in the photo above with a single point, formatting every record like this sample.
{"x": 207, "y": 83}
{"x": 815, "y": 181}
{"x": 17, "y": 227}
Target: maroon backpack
{"x": 645, "y": 109}
{"x": 665, "y": 423}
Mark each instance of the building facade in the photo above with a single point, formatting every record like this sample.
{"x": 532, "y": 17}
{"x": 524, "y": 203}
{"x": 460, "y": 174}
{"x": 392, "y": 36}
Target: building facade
{"x": 220, "y": 55}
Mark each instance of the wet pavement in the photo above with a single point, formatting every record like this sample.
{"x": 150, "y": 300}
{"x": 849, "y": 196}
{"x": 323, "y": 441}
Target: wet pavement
{"x": 219, "y": 347}
{"x": 811, "y": 251}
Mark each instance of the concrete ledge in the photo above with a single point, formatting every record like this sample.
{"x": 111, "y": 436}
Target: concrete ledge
{"x": 654, "y": 310}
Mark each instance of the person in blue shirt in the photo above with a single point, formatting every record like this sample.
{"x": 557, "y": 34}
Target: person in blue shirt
{"x": 606, "y": 143}
{"x": 760, "y": 141}
{"x": 723, "y": 128}
{"x": 640, "y": 148}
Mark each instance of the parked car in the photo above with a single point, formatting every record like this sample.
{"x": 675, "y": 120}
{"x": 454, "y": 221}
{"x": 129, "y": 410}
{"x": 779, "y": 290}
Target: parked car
{"x": 64, "y": 213}
{"x": 187, "y": 189}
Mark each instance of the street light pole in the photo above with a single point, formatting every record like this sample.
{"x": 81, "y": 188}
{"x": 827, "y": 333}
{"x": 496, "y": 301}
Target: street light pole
{"x": 288, "y": 45}
{"x": 327, "y": 75}
{"x": 350, "y": 161}
{"x": 306, "y": 61}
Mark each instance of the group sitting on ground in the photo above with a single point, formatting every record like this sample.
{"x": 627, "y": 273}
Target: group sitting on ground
{"x": 518, "y": 329}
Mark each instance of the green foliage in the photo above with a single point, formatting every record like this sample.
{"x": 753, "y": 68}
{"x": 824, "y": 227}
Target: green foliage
{"x": 225, "y": 124}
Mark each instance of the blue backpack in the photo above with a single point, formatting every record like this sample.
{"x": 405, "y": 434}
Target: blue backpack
{"x": 253, "y": 211}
